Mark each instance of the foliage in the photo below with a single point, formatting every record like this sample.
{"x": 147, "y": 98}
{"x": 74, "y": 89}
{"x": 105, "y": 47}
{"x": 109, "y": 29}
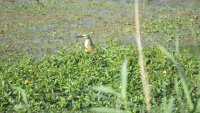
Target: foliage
{"x": 71, "y": 80}
{"x": 171, "y": 27}
{"x": 64, "y": 81}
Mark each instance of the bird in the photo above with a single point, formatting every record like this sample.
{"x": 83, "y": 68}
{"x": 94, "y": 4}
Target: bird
{"x": 88, "y": 44}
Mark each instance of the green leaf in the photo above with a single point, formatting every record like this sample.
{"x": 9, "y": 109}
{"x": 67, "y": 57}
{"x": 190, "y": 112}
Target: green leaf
{"x": 181, "y": 75}
{"x": 124, "y": 76}
{"x": 169, "y": 106}
{"x": 108, "y": 110}
{"x": 18, "y": 107}
{"x": 22, "y": 91}
{"x": 105, "y": 89}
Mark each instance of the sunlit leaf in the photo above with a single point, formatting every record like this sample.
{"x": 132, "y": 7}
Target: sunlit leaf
{"x": 107, "y": 110}
{"x": 106, "y": 89}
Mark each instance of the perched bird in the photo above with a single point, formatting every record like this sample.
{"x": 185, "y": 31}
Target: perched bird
{"x": 88, "y": 44}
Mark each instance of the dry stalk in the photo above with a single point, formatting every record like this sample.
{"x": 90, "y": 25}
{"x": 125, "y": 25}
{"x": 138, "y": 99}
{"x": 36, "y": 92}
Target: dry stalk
{"x": 141, "y": 60}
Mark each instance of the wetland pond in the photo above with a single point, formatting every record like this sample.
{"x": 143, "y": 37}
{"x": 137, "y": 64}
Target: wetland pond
{"x": 43, "y": 27}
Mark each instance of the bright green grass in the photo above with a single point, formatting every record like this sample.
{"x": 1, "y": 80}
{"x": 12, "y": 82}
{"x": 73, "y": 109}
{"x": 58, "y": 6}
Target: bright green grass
{"x": 64, "y": 81}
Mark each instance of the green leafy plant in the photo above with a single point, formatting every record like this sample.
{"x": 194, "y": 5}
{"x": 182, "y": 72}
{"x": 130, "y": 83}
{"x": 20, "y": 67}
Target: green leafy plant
{"x": 20, "y": 106}
{"x": 120, "y": 96}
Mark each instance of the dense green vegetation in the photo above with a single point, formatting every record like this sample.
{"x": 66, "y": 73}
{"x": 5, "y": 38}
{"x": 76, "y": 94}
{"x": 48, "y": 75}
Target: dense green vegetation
{"x": 42, "y": 67}
{"x": 64, "y": 81}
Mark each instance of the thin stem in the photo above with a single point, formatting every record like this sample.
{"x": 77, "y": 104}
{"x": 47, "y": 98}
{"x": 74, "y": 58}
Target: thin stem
{"x": 141, "y": 60}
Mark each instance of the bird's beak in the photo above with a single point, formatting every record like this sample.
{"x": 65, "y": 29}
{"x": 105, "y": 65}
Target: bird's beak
{"x": 80, "y": 36}
{"x": 84, "y": 35}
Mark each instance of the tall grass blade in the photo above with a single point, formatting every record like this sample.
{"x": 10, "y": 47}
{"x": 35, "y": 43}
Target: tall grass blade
{"x": 124, "y": 76}
{"x": 181, "y": 75}
{"x": 107, "y": 110}
{"x": 143, "y": 74}
{"x": 170, "y": 106}
{"x": 198, "y": 103}
{"x": 178, "y": 95}
{"x": 199, "y": 68}
{"x": 105, "y": 89}
{"x": 177, "y": 44}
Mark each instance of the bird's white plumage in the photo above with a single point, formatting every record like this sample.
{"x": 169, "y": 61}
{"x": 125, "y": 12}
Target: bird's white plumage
{"x": 87, "y": 42}
{"x": 89, "y": 47}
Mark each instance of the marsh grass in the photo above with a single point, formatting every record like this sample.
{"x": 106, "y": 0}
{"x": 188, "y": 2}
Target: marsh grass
{"x": 182, "y": 77}
{"x": 63, "y": 80}
{"x": 177, "y": 44}
{"x": 121, "y": 96}
{"x": 143, "y": 73}
{"x": 22, "y": 94}
{"x": 167, "y": 107}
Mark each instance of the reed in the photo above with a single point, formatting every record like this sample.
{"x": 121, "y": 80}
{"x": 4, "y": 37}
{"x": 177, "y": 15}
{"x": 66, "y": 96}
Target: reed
{"x": 143, "y": 72}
